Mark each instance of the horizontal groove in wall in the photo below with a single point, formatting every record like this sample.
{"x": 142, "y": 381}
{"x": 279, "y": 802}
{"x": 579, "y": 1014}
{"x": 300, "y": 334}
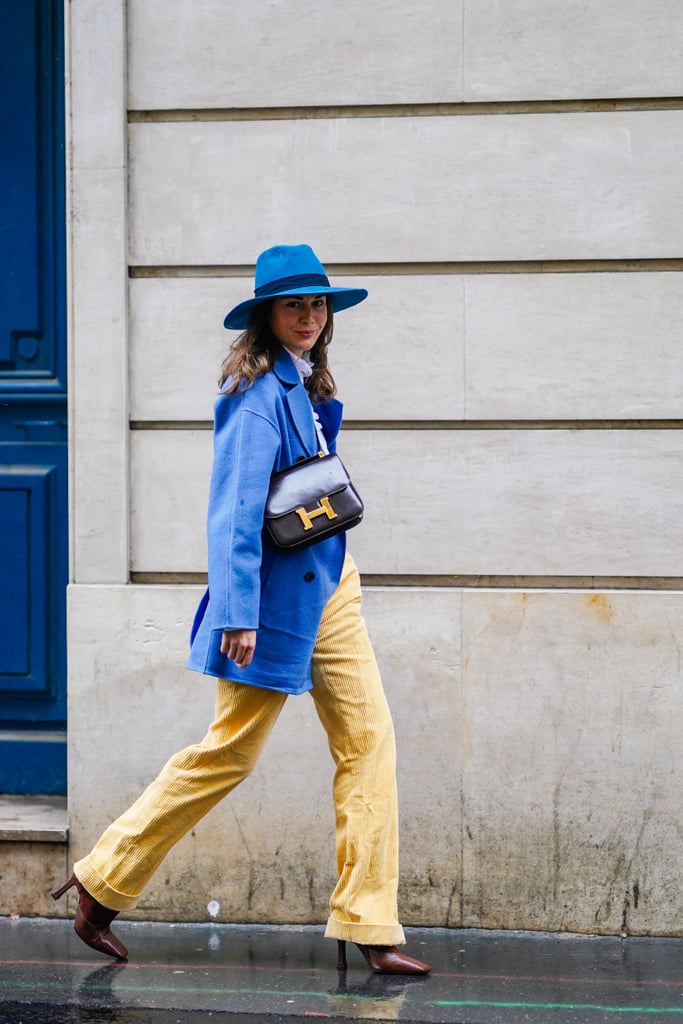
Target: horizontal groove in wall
{"x": 668, "y": 424}
{"x": 490, "y": 107}
{"x": 455, "y": 425}
{"x": 415, "y": 269}
{"x": 525, "y": 582}
{"x": 171, "y": 425}
{"x": 169, "y": 578}
{"x": 489, "y": 582}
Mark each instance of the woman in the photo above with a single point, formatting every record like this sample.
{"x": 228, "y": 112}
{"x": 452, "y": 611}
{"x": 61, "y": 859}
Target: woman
{"x": 272, "y": 624}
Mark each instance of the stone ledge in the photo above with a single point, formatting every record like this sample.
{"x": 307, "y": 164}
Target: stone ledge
{"x": 33, "y": 819}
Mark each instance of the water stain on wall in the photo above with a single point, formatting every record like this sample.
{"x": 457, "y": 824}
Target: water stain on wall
{"x": 600, "y": 607}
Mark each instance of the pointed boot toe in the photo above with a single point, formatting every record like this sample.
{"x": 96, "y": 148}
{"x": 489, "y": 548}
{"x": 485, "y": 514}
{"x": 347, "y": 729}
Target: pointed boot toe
{"x": 98, "y": 936}
{"x": 383, "y": 960}
{"x": 389, "y": 960}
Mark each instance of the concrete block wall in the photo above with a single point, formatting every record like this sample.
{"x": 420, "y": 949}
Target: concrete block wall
{"x": 506, "y": 184}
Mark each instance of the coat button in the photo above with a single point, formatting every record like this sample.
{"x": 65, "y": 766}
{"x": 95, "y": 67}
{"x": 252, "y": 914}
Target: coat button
{"x": 309, "y": 577}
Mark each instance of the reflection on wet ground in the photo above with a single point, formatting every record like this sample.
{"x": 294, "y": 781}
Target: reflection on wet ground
{"x": 197, "y": 973}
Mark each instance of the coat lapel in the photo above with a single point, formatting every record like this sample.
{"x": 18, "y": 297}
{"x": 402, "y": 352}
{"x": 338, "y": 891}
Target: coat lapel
{"x": 297, "y": 403}
{"x": 299, "y": 408}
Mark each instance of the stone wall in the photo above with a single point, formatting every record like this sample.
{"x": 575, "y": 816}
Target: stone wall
{"x": 505, "y": 179}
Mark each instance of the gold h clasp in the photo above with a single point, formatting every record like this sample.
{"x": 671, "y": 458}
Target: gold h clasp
{"x": 324, "y": 510}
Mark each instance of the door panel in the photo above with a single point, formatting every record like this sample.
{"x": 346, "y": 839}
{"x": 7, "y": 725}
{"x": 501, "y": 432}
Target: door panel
{"x": 33, "y": 452}
{"x": 33, "y": 576}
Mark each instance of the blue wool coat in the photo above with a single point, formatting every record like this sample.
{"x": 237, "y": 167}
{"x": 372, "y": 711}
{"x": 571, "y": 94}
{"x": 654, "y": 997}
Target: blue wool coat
{"x": 252, "y": 585}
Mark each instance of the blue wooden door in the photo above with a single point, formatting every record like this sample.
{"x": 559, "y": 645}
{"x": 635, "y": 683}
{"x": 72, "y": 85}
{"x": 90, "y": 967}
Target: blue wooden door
{"x": 33, "y": 417}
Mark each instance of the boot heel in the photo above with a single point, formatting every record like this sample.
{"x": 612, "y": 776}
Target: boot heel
{"x": 341, "y": 954}
{"x": 67, "y": 885}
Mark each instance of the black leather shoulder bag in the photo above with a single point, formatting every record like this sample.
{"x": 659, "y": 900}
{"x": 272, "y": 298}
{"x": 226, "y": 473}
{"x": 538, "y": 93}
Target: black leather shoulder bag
{"x": 310, "y": 501}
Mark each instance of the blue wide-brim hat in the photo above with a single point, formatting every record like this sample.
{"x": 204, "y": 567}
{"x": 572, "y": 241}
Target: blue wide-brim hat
{"x": 291, "y": 270}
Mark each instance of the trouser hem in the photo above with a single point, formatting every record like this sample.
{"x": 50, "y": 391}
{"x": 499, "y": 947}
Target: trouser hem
{"x": 366, "y": 934}
{"x": 92, "y": 881}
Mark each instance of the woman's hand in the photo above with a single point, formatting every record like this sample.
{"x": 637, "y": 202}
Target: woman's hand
{"x": 239, "y": 645}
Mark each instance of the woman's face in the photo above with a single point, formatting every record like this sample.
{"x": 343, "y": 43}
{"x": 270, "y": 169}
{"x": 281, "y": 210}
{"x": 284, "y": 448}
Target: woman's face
{"x": 297, "y": 320}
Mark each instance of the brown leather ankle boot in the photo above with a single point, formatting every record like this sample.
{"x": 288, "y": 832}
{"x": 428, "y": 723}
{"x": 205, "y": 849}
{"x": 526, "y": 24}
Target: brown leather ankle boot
{"x": 383, "y": 959}
{"x": 92, "y": 922}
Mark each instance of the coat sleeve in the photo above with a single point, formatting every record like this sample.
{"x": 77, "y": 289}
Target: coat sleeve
{"x": 246, "y": 445}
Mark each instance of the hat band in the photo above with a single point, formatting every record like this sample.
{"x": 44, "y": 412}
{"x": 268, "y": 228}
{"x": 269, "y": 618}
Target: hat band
{"x": 290, "y": 284}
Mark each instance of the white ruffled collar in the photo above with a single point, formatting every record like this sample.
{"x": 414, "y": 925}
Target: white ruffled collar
{"x": 303, "y": 365}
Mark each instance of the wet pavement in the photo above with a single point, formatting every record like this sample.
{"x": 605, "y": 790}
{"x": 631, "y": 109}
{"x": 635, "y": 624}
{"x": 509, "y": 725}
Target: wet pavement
{"x": 192, "y": 974}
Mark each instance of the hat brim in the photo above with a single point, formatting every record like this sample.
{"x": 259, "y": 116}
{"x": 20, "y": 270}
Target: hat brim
{"x": 340, "y": 298}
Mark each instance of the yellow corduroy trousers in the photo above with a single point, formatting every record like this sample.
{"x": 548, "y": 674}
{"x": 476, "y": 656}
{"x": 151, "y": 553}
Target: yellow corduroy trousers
{"x": 352, "y": 707}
